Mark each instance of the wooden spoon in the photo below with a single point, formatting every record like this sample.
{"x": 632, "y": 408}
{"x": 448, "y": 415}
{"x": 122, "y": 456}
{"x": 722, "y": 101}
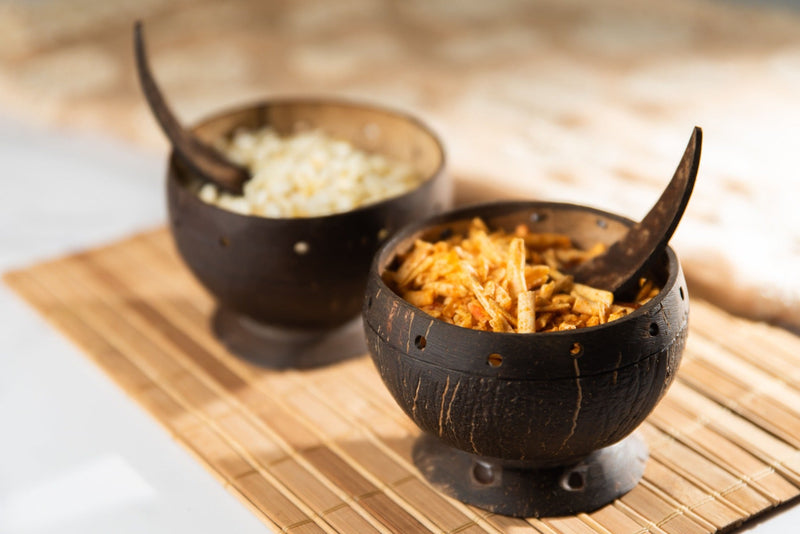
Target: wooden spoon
{"x": 202, "y": 159}
{"x": 618, "y": 270}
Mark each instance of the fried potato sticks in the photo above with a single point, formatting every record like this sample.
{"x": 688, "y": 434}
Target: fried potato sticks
{"x": 506, "y": 282}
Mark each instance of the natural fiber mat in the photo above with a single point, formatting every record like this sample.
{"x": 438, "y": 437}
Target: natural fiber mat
{"x": 328, "y": 450}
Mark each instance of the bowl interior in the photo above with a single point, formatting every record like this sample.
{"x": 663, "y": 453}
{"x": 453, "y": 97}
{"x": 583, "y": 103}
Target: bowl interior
{"x": 370, "y": 128}
{"x": 585, "y": 226}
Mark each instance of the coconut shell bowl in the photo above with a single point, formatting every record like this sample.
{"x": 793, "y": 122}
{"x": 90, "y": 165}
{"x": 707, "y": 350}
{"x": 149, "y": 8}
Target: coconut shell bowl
{"x": 289, "y": 290}
{"x": 537, "y": 424}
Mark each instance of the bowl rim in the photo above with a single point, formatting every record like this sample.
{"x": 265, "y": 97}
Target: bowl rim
{"x": 462, "y": 213}
{"x": 174, "y": 166}
{"x": 534, "y": 368}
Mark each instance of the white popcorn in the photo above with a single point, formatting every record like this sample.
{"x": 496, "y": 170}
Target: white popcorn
{"x": 307, "y": 174}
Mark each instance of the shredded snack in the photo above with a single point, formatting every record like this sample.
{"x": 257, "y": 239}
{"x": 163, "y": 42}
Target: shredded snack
{"x": 307, "y": 174}
{"x": 505, "y": 282}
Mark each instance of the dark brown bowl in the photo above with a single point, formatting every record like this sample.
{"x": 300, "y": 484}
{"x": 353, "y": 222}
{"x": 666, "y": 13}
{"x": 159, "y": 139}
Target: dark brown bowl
{"x": 555, "y": 398}
{"x": 305, "y": 274}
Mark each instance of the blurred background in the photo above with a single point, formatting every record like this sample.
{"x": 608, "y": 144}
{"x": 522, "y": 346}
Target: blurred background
{"x": 579, "y": 101}
{"x": 571, "y": 100}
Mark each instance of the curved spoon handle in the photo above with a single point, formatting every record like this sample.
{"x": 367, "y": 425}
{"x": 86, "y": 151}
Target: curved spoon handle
{"x": 198, "y": 156}
{"x": 619, "y": 269}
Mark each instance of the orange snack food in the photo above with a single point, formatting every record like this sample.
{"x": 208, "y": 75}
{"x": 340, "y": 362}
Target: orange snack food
{"x": 506, "y": 282}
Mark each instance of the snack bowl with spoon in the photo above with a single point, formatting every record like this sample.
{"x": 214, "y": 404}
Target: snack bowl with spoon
{"x": 539, "y": 424}
{"x": 289, "y": 290}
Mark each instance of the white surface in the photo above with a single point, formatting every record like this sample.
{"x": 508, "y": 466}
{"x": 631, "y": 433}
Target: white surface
{"x": 76, "y": 455}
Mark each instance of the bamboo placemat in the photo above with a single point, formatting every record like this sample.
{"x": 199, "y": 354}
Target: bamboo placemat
{"x": 328, "y": 450}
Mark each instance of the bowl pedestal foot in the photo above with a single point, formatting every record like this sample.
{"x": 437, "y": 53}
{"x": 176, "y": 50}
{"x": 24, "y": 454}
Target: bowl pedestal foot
{"x": 278, "y": 347}
{"x": 488, "y": 483}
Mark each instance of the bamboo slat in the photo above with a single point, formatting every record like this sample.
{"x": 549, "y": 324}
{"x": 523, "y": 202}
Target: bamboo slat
{"x": 722, "y": 452}
{"x": 327, "y": 450}
{"x": 612, "y": 519}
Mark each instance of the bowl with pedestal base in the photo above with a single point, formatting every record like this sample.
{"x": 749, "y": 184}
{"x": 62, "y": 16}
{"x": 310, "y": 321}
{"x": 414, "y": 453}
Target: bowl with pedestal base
{"x": 534, "y": 424}
{"x": 289, "y": 290}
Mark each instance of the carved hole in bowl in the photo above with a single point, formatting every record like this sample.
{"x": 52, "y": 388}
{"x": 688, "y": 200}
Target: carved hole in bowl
{"x": 602, "y": 223}
{"x": 680, "y": 290}
{"x": 495, "y": 360}
{"x": 420, "y": 342}
{"x": 301, "y": 248}
{"x": 483, "y": 473}
{"x": 576, "y": 350}
{"x": 224, "y": 242}
{"x": 574, "y": 480}
{"x": 536, "y": 217}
